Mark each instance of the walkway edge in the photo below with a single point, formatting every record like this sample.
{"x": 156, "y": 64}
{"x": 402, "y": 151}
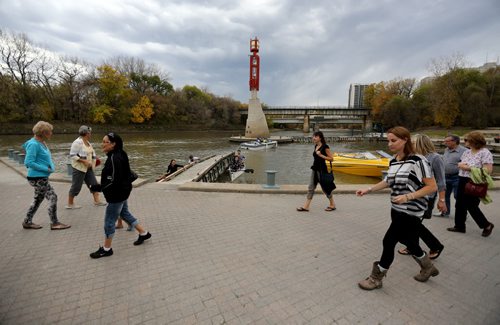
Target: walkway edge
{"x": 220, "y": 187}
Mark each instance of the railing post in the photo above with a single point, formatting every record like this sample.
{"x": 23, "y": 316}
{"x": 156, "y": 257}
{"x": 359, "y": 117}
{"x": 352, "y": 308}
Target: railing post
{"x": 20, "y": 158}
{"x": 271, "y": 179}
{"x": 11, "y": 153}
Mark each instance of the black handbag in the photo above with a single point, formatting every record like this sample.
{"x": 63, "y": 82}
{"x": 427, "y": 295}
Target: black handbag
{"x": 327, "y": 182}
{"x": 132, "y": 176}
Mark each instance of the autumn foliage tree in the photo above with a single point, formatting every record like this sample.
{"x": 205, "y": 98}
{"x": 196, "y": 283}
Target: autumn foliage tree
{"x": 458, "y": 96}
{"x": 142, "y": 111}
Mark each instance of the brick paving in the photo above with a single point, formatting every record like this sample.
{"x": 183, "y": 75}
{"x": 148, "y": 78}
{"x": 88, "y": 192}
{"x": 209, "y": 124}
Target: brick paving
{"x": 235, "y": 258}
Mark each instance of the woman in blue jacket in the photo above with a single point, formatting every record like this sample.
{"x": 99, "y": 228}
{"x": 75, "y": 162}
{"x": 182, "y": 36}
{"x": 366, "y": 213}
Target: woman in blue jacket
{"x": 38, "y": 160}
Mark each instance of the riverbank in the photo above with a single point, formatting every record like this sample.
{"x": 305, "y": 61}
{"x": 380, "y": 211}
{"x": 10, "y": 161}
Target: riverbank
{"x": 72, "y": 128}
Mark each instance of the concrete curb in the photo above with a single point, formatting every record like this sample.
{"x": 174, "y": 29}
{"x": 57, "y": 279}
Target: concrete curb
{"x": 58, "y": 177}
{"x": 259, "y": 189}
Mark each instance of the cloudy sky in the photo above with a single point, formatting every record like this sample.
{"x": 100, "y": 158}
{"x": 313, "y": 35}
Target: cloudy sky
{"x": 310, "y": 50}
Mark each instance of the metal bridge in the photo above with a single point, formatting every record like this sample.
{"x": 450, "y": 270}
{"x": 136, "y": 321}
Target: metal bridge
{"x": 311, "y": 115}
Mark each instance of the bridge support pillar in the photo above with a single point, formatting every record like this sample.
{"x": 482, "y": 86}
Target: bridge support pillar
{"x": 306, "y": 125}
{"x": 256, "y": 121}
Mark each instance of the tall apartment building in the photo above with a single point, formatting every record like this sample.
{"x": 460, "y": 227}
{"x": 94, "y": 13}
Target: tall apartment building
{"x": 356, "y": 95}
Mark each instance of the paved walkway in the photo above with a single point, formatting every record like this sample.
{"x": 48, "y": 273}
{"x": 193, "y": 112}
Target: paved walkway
{"x": 235, "y": 258}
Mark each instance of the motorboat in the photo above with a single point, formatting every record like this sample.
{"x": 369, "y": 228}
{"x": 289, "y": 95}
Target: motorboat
{"x": 361, "y": 163}
{"x": 259, "y": 145}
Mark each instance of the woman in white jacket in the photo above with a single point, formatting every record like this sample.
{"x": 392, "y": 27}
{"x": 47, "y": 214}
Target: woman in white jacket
{"x": 83, "y": 161}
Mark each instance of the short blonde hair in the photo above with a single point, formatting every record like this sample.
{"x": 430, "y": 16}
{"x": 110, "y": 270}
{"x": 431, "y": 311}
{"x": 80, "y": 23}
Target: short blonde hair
{"x": 41, "y": 127}
{"x": 423, "y": 144}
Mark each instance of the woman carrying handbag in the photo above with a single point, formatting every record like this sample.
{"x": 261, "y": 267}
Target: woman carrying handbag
{"x": 320, "y": 173}
{"x": 480, "y": 157}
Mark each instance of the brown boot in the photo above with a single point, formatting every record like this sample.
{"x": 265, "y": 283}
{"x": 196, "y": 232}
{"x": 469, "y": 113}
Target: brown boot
{"x": 374, "y": 281}
{"x": 427, "y": 268}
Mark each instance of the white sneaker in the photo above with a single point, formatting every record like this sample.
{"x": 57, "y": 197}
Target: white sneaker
{"x": 73, "y": 206}
{"x": 100, "y": 204}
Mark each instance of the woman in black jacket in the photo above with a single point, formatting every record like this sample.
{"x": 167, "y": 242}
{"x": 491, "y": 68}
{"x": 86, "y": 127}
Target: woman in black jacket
{"x": 116, "y": 185}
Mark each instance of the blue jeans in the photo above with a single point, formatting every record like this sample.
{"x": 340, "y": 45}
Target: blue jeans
{"x": 451, "y": 186}
{"x": 113, "y": 211}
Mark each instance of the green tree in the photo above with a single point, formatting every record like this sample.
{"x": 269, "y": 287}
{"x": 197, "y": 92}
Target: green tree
{"x": 476, "y": 106}
{"x": 398, "y": 111}
{"x": 144, "y": 84}
{"x": 421, "y": 103}
{"x": 9, "y": 109}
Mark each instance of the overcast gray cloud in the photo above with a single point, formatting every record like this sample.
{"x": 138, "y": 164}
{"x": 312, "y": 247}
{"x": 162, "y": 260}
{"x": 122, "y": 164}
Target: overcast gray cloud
{"x": 310, "y": 51}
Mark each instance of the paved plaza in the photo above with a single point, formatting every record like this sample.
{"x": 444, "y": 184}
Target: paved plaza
{"x": 235, "y": 258}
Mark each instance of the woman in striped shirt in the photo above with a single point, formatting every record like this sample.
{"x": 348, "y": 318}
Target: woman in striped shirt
{"x": 410, "y": 179}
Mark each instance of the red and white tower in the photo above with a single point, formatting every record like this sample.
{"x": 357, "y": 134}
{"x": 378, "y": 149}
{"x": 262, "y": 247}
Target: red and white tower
{"x": 256, "y": 122}
{"x": 254, "y": 64}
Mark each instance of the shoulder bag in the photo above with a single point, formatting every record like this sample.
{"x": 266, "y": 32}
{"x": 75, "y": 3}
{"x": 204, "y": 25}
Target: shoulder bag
{"x": 477, "y": 189}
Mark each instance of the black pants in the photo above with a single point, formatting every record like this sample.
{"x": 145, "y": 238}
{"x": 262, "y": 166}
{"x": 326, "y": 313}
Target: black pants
{"x": 425, "y": 234}
{"x": 404, "y": 229}
{"x": 468, "y": 203}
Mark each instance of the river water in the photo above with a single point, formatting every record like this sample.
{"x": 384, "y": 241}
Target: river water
{"x": 150, "y": 153}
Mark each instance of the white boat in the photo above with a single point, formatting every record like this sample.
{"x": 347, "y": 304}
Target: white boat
{"x": 259, "y": 145}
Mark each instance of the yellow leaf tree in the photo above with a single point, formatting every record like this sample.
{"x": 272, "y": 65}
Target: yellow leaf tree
{"x": 445, "y": 101}
{"x": 142, "y": 111}
{"x": 102, "y": 113}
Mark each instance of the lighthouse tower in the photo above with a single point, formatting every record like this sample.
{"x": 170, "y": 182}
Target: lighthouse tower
{"x": 256, "y": 122}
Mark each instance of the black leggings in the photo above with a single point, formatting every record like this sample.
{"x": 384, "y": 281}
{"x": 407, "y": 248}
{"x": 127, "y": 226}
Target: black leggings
{"x": 404, "y": 229}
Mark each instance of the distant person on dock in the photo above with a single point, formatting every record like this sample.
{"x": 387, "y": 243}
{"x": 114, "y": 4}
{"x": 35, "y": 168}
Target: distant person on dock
{"x": 39, "y": 162}
{"x": 83, "y": 163}
{"x": 237, "y": 163}
{"x": 411, "y": 182}
{"x": 320, "y": 172}
{"x": 116, "y": 187}
{"x": 173, "y": 167}
{"x": 452, "y": 155}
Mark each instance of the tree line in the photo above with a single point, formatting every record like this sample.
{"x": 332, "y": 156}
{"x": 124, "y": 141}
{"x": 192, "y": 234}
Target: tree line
{"x": 453, "y": 96}
{"x": 36, "y": 84}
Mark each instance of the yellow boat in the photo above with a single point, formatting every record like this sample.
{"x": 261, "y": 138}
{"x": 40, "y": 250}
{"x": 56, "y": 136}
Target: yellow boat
{"x": 361, "y": 163}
